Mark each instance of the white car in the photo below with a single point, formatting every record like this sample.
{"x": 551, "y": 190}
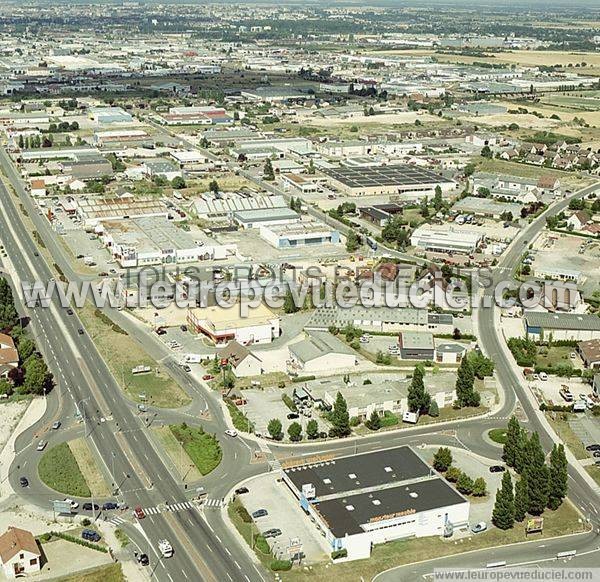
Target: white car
{"x": 230, "y": 432}
{"x": 165, "y": 548}
{"x": 74, "y": 504}
{"x": 479, "y": 527}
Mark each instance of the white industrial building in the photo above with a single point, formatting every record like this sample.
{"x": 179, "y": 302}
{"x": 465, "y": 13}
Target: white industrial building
{"x": 301, "y": 233}
{"x": 222, "y": 325}
{"x": 372, "y": 498}
{"x": 320, "y": 352}
{"x": 541, "y": 325}
{"x": 450, "y": 240}
{"x": 152, "y": 240}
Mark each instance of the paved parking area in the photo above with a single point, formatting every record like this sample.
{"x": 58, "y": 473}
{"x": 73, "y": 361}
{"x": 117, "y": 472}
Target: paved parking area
{"x": 587, "y": 428}
{"x": 285, "y": 513}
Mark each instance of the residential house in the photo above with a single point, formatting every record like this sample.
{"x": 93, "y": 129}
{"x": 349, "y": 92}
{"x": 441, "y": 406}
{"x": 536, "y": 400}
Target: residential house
{"x": 578, "y": 220}
{"x": 19, "y": 553}
{"x": 38, "y": 187}
{"x": 590, "y": 353}
{"x": 9, "y": 357}
{"x": 242, "y": 361}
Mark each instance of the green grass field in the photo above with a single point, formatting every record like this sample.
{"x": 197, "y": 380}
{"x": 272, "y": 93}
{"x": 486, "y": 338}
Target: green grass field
{"x": 203, "y": 448}
{"x": 498, "y": 435}
{"x": 59, "y": 470}
{"x": 108, "y": 573}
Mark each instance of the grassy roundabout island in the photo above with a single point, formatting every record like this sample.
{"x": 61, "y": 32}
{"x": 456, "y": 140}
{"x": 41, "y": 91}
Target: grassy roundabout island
{"x": 59, "y": 470}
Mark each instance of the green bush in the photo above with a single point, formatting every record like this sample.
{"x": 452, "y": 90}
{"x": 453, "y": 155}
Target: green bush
{"x": 261, "y": 545}
{"x": 79, "y": 541}
{"x": 303, "y": 379}
{"x": 289, "y": 403}
{"x": 336, "y": 554}
{"x": 281, "y": 565}
{"x": 244, "y": 515}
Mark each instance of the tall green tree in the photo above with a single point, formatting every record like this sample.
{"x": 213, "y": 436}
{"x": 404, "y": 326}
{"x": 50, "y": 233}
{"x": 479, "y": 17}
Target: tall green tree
{"x": 352, "y": 242}
{"x": 503, "y": 514}
{"x": 295, "y": 432}
{"x": 442, "y": 459}
{"x": 521, "y": 498}
{"x": 537, "y": 474}
{"x": 340, "y": 419}
{"x": 466, "y": 395}
{"x": 268, "y": 172}
{"x": 8, "y": 313}
{"x": 374, "y": 422}
{"x": 37, "y": 377}
{"x": 312, "y": 429}
{"x": 438, "y": 201}
{"x": 418, "y": 398}
{"x": 514, "y": 434}
{"x": 558, "y": 479}
{"x": 274, "y": 428}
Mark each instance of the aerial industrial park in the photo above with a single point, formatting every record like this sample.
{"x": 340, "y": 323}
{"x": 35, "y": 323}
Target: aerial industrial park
{"x": 299, "y": 291}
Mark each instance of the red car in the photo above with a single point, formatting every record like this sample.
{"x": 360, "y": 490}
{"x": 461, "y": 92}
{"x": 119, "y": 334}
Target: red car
{"x": 207, "y": 377}
{"x": 139, "y": 512}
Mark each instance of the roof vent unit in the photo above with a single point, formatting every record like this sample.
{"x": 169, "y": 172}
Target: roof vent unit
{"x": 308, "y": 491}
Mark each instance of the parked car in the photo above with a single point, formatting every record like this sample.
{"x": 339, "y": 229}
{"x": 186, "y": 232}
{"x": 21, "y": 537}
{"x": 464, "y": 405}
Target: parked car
{"x": 230, "y": 432}
{"x": 142, "y": 407}
{"x": 56, "y": 425}
{"x": 109, "y": 505}
{"x": 207, "y": 377}
{"x": 272, "y": 533}
{"x": 479, "y": 527}
{"x": 187, "y": 368}
{"x": 143, "y": 559}
{"x": 183, "y": 327}
{"x": 23, "y": 482}
{"x": 139, "y": 512}
{"x": 241, "y": 490}
{"x": 293, "y": 415}
{"x": 497, "y": 469}
{"x": 73, "y": 504}
{"x": 594, "y": 447}
{"x": 259, "y": 513}
{"x": 89, "y": 506}
{"x": 90, "y": 535}
{"x": 41, "y": 445}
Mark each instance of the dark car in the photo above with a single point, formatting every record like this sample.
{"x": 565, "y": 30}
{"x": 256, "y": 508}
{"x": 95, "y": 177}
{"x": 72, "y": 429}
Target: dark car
{"x": 23, "y": 482}
{"x": 259, "y": 513}
{"x": 36, "y": 254}
{"x": 241, "y": 490}
{"x": 80, "y": 331}
{"x": 90, "y": 535}
{"x": 109, "y": 505}
{"x": 595, "y": 447}
{"x": 272, "y": 533}
{"x": 293, "y": 415}
{"x": 88, "y": 507}
{"x": 183, "y": 327}
{"x": 69, "y": 311}
{"x": 143, "y": 559}
{"x": 497, "y": 469}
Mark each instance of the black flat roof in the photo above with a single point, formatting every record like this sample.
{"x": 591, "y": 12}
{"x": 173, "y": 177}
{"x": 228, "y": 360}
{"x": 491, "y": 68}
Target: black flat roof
{"x": 401, "y": 175}
{"x": 360, "y": 471}
{"x": 345, "y": 514}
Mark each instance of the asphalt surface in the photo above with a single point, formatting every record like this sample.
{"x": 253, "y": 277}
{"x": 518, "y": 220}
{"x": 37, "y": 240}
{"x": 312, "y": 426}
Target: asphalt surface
{"x": 201, "y": 551}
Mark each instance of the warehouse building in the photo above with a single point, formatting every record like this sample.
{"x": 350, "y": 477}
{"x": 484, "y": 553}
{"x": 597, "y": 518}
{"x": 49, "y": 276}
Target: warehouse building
{"x": 451, "y": 240}
{"x": 372, "y": 498}
{"x": 380, "y": 319}
{"x": 487, "y": 207}
{"x": 320, "y": 352}
{"x": 405, "y": 180}
{"x": 265, "y": 216}
{"x": 415, "y": 345}
{"x": 541, "y": 325}
{"x": 152, "y": 240}
{"x": 92, "y": 210}
{"x": 299, "y": 234}
{"x": 222, "y": 325}
{"x": 104, "y": 115}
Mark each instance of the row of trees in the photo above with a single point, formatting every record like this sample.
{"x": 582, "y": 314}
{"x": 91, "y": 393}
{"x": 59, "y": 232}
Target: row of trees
{"x": 275, "y": 430}
{"x": 442, "y": 462}
{"x": 32, "y": 375}
{"x": 540, "y": 485}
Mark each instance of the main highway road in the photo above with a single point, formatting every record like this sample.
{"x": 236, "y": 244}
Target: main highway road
{"x": 83, "y": 377}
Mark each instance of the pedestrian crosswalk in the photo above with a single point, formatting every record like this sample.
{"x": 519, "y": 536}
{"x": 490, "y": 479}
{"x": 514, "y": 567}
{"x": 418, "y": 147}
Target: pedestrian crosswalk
{"x": 182, "y": 506}
{"x": 116, "y": 520}
{"x": 214, "y": 503}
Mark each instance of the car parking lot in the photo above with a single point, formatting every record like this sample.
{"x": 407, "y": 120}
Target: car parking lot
{"x": 284, "y": 513}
